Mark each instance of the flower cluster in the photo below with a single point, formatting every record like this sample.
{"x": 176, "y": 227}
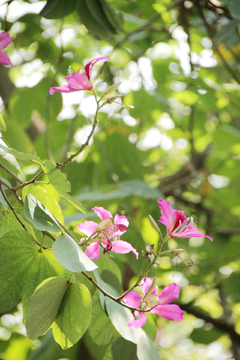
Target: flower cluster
{"x": 5, "y": 40}
{"x": 156, "y": 304}
{"x": 107, "y": 232}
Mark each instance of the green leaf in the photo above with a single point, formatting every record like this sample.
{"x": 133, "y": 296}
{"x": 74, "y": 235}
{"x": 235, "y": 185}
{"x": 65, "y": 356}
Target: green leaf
{"x": 8, "y": 222}
{"x": 38, "y": 215}
{"x": 57, "y": 9}
{"x": 70, "y": 255}
{"x": 44, "y": 306}
{"x": 100, "y": 329}
{"x": 120, "y": 316}
{"x": 23, "y": 267}
{"x": 2, "y": 124}
{"x": 74, "y": 316}
{"x": 95, "y": 7}
{"x": 46, "y": 266}
{"x": 203, "y": 336}
{"x": 109, "y": 271}
{"x": 17, "y": 253}
{"x": 77, "y": 204}
{"x": 114, "y": 18}
{"x": 21, "y": 156}
{"x": 122, "y": 189}
{"x": 46, "y": 198}
{"x": 4, "y": 153}
{"x": 56, "y": 178}
{"x": 123, "y": 349}
{"x": 146, "y": 349}
{"x": 227, "y": 32}
{"x": 88, "y": 19}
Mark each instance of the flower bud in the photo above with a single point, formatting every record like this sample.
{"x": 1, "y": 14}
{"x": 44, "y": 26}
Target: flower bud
{"x": 154, "y": 225}
{"x": 152, "y": 286}
{"x": 111, "y": 89}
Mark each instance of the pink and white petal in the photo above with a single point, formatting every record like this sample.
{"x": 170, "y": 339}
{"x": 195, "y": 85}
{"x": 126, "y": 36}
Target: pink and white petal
{"x": 146, "y": 283}
{"x": 180, "y": 219}
{"x": 133, "y": 299}
{"x": 87, "y": 227}
{"x": 88, "y": 67}
{"x": 167, "y": 217}
{"x": 169, "y": 293}
{"x": 136, "y": 323}
{"x": 5, "y": 40}
{"x": 189, "y": 231}
{"x": 123, "y": 247}
{"x": 4, "y": 59}
{"x": 92, "y": 251}
{"x": 102, "y": 213}
{"x": 170, "y": 312}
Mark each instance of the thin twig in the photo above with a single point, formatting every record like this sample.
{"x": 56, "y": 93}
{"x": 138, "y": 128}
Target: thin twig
{"x": 10, "y": 173}
{"x": 13, "y": 210}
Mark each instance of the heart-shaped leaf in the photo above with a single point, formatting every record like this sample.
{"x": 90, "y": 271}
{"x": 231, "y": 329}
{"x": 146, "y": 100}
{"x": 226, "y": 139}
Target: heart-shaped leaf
{"x": 73, "y": 316}
{"x": 44, "y": 306}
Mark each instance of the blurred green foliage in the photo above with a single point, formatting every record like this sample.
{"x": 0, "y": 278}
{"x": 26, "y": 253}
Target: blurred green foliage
{"x": 178, "y": 64}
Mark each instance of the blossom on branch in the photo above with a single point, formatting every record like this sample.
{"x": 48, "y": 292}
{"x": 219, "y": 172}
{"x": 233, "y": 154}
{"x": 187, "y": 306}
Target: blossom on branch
{"x": 156, "y": 304}
{"x": 103, "y": 232}
{"x": 178, "y": 226}
{"x": 79, "y": 81}
{"x": 5, "y": 40}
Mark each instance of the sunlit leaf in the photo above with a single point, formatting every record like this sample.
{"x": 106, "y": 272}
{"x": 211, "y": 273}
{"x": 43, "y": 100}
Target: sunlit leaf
{"x": 2, "y": 124}
{"x": 70, "y": 255}
{"x": 73, "y": 316}
{"x": 56, "y": 177}
{"x": 38, "y": 215}
{"x": 146, "y": 349}
{"x": 120, "y": 316}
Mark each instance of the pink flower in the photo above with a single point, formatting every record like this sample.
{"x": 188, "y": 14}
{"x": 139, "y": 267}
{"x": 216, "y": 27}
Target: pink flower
{"x": 107, "y": 229}
{"x": 159, "y": 304}
{"x": 80, "y": 80}
{"x": 5, "y": 40}
{"x": 177, "y": 224}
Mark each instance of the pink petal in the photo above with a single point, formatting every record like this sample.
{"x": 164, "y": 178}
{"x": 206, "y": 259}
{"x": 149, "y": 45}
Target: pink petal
{"x": 167, "y": 217}
{"x": 78, "y": 81}
{"x": 133, "y": 299}
{"x": 63, "y": 88}
{"x": 5, "y": 40}
{"x": 4, "y": 59}
{"x": 89, "y": 66}
{"x": 170, "y": 312}
{"x": 88, "y": 227}
{"x": 136, "y": 323}
{"x": 146, "y": 283}
{"x": 179, "y": 219}
{"x": 102, "y": 213}
{"x": 122, "y": 247}
{"x": 169, "y": 293}
{"x": 92, "y": 251}
{"x": 120, "y": 220}
{"x": 189, "y": 231}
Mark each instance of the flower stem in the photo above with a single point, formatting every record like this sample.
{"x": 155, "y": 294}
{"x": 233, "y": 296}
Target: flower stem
{"x": 153, "y": 262}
